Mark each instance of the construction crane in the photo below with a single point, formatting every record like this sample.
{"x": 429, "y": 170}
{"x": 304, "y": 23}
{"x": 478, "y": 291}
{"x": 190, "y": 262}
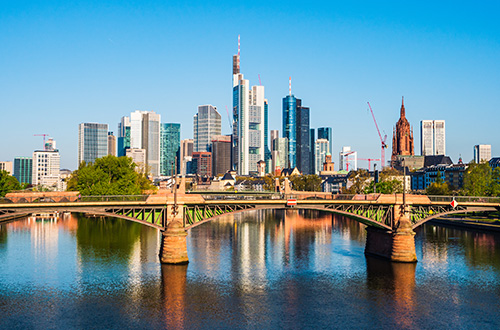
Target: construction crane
{"x": 347, "y": 160}
{"x": 44, "y": 136}
{"x": 370, "y": 160}
{"x": 382, "y": 141}
{"x": 260, "y": 83}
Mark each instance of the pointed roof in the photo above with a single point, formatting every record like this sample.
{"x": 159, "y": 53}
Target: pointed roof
{"x": 403, "y": 114}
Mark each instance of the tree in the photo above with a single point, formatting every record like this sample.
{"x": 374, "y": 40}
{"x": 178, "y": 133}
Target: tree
{"x": 109, "y": 175}
{"x": 359, "y": 181}
{"x": 477, "y": 179}
{"x": 310, "y": 182}
{"x": 7, "y": 183}
{"x": 439, "y": 187}
{"x": 495, "y": 182}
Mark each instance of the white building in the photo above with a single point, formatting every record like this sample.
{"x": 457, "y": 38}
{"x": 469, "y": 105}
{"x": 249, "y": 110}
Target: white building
{"x": 248, "y": 122}
{"x": 206, "y": 124}
{"x": 348, "y": 160}
{"x": 432, "y": 137}
{"x": 46, "y": 169}
{"x": 321, "y": 148}
{"x": 7, "y": 166}
{"x": 145, "y": 134}
{"x": 138, "y": 157}
{"x": 482, "y": 153}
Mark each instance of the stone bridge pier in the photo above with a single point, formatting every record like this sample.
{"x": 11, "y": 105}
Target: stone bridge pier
{"x": 398, "y": 244}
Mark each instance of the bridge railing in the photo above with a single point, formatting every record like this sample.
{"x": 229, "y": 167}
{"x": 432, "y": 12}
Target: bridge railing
{"x": 465, "y": 199}
{"x": 73, "y": 199}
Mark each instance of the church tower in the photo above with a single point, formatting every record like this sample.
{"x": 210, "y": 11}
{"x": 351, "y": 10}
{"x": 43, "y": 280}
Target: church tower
{"x": 402, "y": 139}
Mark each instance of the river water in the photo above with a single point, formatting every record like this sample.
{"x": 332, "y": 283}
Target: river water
{"x": 254, "y": 270}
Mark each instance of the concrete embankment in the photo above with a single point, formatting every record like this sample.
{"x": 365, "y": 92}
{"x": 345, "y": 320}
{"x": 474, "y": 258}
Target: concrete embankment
{"x": 469, "y": 223}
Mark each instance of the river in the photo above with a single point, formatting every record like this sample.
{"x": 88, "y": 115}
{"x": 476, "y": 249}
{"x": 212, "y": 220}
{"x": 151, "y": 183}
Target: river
{"x": 254, "y": 270}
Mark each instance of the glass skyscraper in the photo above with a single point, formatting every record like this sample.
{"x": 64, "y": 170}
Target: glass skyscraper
{"x": 123, "y": 141}
{"x": 303, "y": 139}
{"x": 206, "y": 124}
{"x": 326, "y": 133}
{"x": 23, "y": 167}
{"x": 290, "y": 128}
{"x": 170, "y": 140}
{"x": 92, "y": 142}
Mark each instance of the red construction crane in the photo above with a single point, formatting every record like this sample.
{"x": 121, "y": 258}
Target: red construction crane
{"x": 44, "y": 136}
{"x": 347, "y": 160}
{"x": 382, "y": 141}
{"x": 369, "y": 161}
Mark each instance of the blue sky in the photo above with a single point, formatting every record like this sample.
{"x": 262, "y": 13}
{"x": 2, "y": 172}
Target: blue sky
{"x": 63, "y": 63}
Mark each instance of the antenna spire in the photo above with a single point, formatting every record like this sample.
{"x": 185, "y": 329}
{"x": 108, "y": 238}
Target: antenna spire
{"x": 290, "y": 86}
{"x": 238, "y": 52}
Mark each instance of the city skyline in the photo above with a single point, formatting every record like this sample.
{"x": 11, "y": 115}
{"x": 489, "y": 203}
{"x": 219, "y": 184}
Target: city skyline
{"x": 63, "y": 73}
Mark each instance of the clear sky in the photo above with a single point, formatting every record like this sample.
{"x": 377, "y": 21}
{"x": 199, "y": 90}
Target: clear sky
{"x": 67, "y": 62}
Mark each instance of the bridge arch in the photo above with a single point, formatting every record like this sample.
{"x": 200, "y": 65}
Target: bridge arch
{"x": 439, "y": 215}
{"x": 365, "y": 220}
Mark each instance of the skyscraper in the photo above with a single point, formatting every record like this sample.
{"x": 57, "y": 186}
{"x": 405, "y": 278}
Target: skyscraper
{"x": 111, "y": 144}
{"x": 322, "y": 148}
{"x": 482, "y": 153}
{"x": 402, "y": 140}
{"x": 326, "y": 133}
{"x": 249, "y": 122}
{"x": 186, "y": 154}
{"x": 432, "y": 137}
{"x": 123, "y": 136}
{"x": 221, "y": 154}
{"x": 303, "y": 139}
{"x": 170, "y": 140}
{"x": 296, "y": 129}
{"x": 23, "y": 169}
{"x": 92, "y": 142}
{"x": 145, "y": 134}
{"x": 206, "y": 124}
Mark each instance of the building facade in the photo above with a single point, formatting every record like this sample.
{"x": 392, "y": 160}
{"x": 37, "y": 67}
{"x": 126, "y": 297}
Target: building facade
{"x": 111, "y": 144}
{"x": 170, "y": 140}
{"x": 290, "y": 128}
{"x": 92, "y": 142}
{"x": 303, "y": 148}
{"x": 202, "y": 163}
{"x": 482, "y": 153}
{"x": 326, "y": 133}
{"x": 138, "y": 157}
{"x": 322, "y": 148}
{"x": 123, "y": 141}
{"x": 432, "y": 137}
{"x": 221, "y": 154}
{"x": 186, "y": 155}
{"x": 206, "y": 124}
{"x": 145, "y": 134}
{"x": 23, "y": 169}
{"x": 6, "y": 166}
{"x": 402, "y": 140}
{"x": 46, "y": 169}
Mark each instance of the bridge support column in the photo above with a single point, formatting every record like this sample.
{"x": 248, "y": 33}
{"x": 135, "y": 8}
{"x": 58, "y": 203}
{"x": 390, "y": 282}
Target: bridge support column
{"x": 397, "y": 245}
{"x": 173, "y": 249}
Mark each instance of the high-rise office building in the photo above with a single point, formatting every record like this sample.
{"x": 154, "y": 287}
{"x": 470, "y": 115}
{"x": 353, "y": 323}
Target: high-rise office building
{"x": 322, "y": 148}
{"x": 138, "y": 157}
{"x": 303, "y": 139}
{"x": 170, "y": 140}
{"x": 202, "y": 163}
{"x": 432, "y": 137}
{"x": 123, "y": 136}
{"x": 186, "y": 155}
{"x": 249, "y": 122}
{"x": 296, "y": 129}
{"x": 50, "y": 145}
{"x": 46, "y": 169}
{"x": 267, "y": 152}
{"x": 23, "y": 169}
{"x": 111, "y": 144}
{"x": 221, "y": 154}
{"x": 206, "y": 124}
{"x": 312, "y": 143}
{"x": 482, "y": 153}
{"x": 145, "y": 134}
{"x": 280, "y": 154}
{"x": 92, "y": 142}
{"x": 326, "y": 133}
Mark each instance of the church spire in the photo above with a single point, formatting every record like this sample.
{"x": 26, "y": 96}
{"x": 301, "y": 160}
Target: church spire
{"x": 403, "y": 108}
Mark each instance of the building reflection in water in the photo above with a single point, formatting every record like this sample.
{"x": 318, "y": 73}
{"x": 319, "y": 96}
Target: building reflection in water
{"x": 397, "y": 280}
{"x": 173, "y": 298}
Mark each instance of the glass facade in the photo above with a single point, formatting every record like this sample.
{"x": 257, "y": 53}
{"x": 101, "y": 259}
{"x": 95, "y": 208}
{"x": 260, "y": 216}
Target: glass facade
{"x": 326, "y": 133}
{"x": 170, "y": 140}
{"x": 93, "y": 142}
{"x": 290, "y": 128}
{"x": 23, "y": 168}
{"x": 303, "y": 148}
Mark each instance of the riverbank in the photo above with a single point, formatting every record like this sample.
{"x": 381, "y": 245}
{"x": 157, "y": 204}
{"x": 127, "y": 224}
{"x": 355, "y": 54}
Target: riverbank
{"x": 486, "y": 225}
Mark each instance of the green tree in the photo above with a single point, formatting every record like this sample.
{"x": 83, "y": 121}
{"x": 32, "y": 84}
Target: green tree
{"x": 7, "y": 183}
{"x": 478, "y": 180}
{"x": 109, "y": 175}
{"x": 359, "y": 179}
{"x": 310, "y": 182}
{"x": 495, "y": 182}
{"x": 438, "y": 187}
